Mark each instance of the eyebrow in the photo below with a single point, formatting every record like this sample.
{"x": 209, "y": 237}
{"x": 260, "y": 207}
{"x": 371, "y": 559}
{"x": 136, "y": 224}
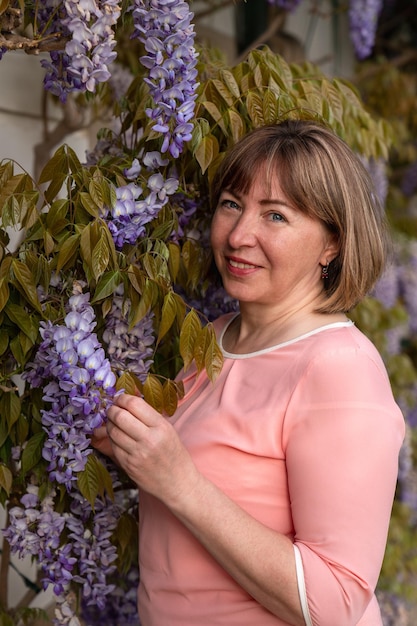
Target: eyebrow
{"x": 262, "y": 202}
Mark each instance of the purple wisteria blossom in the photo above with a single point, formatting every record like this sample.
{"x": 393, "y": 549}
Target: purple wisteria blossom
{"x": 89, "y": 25}
{"x": 136, "y": 206}
{"x": 377, "y": 169}
{"x": 394, "y": 609}
{"x": 128, "y": 348}
{"x": 287, "y": 5}
{"x": 36, "y": 530}
{"x": 408, "y": 283}
{"x": 387, "y": 289}
{"x": 86, "y": 556}
{"x": 166, "y": 30}
{"x": 119, "y": 81}
{"x": 409, "y": 181}
{"x": 121, "y": 604}
{"x": 363, "y": 21}
{"x": 78, "y": 385}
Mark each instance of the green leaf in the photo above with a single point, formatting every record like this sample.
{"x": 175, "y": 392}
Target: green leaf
{"x": 10, "y": 406}
{"x": 153, "y": 392}
{"x": 236, "y": 125}
{"x": 207, "y": 352}
{"x": 105, "y": 480}
{"x": 255, "y": 108}
{"x": 68, "y": 252}
{"x": 4, "y": 292}
{"x": 106, "y": 286}
{"x": 88, "y": 204}
{"x": 88, "y": 240}
{"x": 224, "y": 92}
{"x": 206, "y": 152}
{"x": 200, "y": 348}
{"x": 168, "y": 315}
{"x": 136, "y": 278}
{"x": 126, "y": 532}
{"x": 32, "y": 452}
{"x": 4, "y": 342}
{"x": 88, "y": 480}
{"x": 258, "y": 75}
{"x": 170, "y": 393}
{"x": 127, "y": 382}
{"x": 217, "y": 115}
{"x": 200, "y": 130}
{"x": 24, "y": 277}
{"x": 190, "y": 331}
{"x": 174, "y": 259}
{"x": 192, "y": 259}
{"x": 6, "y": 479}
{"x": 48, "y": 242}
{"x": 56, "y": 218}
{"x": 332, "y": 96}
{"x": 230, "y": 81}
{"x": 214, "y": 356}
{"x": 56, "y": 166}
{"x": 269, "y": 107}
{"x": 19, "y": 316}
{"x": 100, "y": 257}
{"x": 97, "y": 190}
{"x": 145, "y": 304}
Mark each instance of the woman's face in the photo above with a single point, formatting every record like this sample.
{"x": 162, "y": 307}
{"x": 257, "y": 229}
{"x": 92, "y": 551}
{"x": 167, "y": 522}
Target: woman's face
{"x": 266, "y": 250}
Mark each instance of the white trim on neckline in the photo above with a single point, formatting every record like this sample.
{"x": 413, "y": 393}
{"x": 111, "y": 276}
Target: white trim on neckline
{"x": 232, "y": 355}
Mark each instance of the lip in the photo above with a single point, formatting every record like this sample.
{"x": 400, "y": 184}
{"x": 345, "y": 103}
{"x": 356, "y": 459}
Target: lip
{"x": 240, "y": 267}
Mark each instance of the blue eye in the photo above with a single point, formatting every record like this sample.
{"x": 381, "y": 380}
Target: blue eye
{"x": 231, "y": 204}
{"x": 277, "y": 217}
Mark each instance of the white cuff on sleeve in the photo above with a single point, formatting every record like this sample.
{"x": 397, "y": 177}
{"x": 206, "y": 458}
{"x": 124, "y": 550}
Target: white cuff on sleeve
{"x": 302, "y": 587}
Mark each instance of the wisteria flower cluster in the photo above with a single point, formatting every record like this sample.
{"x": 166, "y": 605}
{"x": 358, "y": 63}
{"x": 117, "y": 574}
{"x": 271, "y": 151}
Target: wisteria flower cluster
{"x": 83, "y": 64}
{"x": 71, "y": 547}
{"x": 137, "y": 205}
{"x": 166, "y": 30}
{"x": 129, "y": 348}
{"x": 363, "y": 21}
{"x": 79, "y": 387}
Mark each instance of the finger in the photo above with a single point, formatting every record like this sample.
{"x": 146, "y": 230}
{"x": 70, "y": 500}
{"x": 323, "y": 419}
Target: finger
{"x": 123, "y": 428}
{"x": 139, "y": 408}
{"x": 99, "y": 433}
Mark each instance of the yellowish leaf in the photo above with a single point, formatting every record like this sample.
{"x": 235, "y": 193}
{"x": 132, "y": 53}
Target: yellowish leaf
{"x": 153, "y": 392}
{"x": 190, "y": 331}
{"x": 206, "y": 152}
{"x": 6, "y": 479}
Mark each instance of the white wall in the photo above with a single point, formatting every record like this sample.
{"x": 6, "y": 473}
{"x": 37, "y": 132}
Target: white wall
{"x": 326, "y": 38}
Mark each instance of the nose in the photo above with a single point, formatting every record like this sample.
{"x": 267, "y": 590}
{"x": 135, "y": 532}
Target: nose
{"x": 244, "y": 231}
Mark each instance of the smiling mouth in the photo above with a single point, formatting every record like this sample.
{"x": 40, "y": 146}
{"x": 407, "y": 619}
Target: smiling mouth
{"x": 241, "y": 266}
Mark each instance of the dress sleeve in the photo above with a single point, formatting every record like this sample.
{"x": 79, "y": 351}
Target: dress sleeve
{"x": 342, "y": 435}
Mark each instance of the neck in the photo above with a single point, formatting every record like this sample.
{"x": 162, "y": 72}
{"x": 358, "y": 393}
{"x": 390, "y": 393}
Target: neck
{"x": 254, "y": 330}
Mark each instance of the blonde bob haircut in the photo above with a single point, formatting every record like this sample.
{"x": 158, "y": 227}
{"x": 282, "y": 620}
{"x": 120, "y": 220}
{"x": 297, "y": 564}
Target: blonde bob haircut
{"x": 324, "y": 179}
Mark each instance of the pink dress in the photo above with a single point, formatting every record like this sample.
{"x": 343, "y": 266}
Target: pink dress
{"x": 305, "y": 437}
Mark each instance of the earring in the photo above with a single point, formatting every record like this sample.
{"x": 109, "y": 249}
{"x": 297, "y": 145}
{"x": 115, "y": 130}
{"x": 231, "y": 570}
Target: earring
{"x": 325, "y": 272}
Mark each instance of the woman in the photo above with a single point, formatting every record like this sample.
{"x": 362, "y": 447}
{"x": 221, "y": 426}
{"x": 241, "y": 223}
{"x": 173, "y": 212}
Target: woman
{"x": 265, "y": 500}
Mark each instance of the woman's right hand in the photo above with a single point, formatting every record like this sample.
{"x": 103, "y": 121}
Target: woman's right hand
{"x": 101, "y": 441}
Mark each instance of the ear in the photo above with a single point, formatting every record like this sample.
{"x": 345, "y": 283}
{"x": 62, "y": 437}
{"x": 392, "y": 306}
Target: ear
{"x": 331, "y": 249}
